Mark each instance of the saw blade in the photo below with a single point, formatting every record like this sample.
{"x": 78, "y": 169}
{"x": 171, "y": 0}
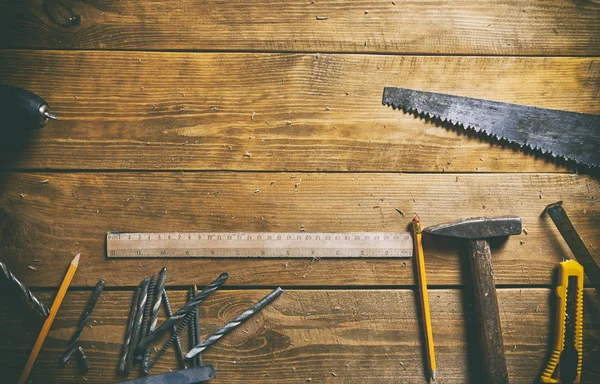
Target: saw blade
{"x": 571, "y": 135}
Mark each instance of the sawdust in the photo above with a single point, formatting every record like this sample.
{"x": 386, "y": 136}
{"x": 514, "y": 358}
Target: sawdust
{"x": 400, "y": 212}
{"x": 23, "y": 195}
{"x": 32, "y": 268}
{"x": 46, "y": 181}
{"x": 322, "y": 18}
{"x": 247, "y": 154}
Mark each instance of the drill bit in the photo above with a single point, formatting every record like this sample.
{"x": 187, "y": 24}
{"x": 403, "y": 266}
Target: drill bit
{"x": 146, "y": 322}
{"x": 170, "y": 341}
{"x": 169, "y": 312}
{"x": 195, "y": 331}
{"x": 84, "y": 319}
{"x": 234, "y": 323}
{"x": 127, "y": 347}
{"x": 25, "y": 292}
{"x": 137, "y": 324}
{"x": 160, "y": 287}
{"x": 183, "y": 311}
{"x": 84, "y": 363}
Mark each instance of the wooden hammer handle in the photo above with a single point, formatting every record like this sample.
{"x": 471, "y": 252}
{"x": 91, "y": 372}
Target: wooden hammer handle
{"x": 488, "y": 317}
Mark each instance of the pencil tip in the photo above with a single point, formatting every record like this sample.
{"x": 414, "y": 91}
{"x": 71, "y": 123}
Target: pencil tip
{"x": 433, "y": 375}
{"x": 75, "y": 261}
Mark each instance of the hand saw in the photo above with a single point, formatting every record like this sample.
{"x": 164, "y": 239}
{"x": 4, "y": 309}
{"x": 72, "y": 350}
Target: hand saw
{"x": 573, "y": 136}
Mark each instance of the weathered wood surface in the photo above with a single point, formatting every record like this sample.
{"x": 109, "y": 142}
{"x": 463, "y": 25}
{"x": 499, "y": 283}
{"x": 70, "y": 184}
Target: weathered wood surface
{"x": 143, "y": 110}
{"x": 553, "y": 27}
{"x": 350, "y": 336}
{"x": 72, "y": 212}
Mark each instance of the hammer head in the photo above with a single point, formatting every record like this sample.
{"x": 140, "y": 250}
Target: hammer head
{"x": 479, "y": 227}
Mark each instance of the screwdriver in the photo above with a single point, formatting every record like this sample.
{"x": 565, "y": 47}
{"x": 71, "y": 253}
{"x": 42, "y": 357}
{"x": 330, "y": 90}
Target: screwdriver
{"x": 20, "y": 108}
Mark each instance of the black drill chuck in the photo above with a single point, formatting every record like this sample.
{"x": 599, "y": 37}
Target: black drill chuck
{"x": 22, "y": 109}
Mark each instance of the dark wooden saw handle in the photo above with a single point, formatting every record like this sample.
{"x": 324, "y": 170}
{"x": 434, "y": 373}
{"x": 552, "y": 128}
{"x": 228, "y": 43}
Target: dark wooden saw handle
{"x": 486, "y": 310}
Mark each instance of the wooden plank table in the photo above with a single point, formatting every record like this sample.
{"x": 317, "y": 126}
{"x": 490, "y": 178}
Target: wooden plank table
{"x": 159, "y": 103}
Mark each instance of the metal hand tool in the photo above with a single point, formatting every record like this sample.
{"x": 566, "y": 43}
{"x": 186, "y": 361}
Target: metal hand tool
{"x": 477, "y": 231}
{"x": 194, "y": 375}
{"x": 127, "y": 347}
{"x": 137, "y": 325}
{"x": 576, "y": 245}
{"x": 84, "y": 319}
{"x": 25, "y": 292}
{"x": 22, "y": 109}
{"x": 178, "y": 349}
{"x": 565, "y": 361}
{"x": 182, "y": 312}
{"x": 257, "y": 244}
{"x": 574, "y": 136}
{"x": 230, "y": 326}
{"x": 170, "y": 341}
{"x": 195, "y": 330}
{"x": 146, "y": 323}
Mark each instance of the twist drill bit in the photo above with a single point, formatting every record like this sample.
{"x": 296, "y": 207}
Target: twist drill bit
{"x": 195, "y": 330}
{"x": 183, "y": 311}
{"x": 146, "y": 321}
{"x": 84, "y": 319}
{"x": 160, "y": 287}
{"x": 234, "y": 323}
{"x": 170, "y": 341}
{"x": 25, "y": 292}
{"x": 84, "y": 363}
{"x": 169, "y": 312}
{"x": 127, "y": 347}
{"x": 137, "y": 324}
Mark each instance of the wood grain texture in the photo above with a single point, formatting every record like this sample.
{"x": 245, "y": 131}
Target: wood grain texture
{"x": 330, "y": 336}
{"x": 72, "y": 212}
{"x": 553, "y": 27}
{"x": 136, "y": 110}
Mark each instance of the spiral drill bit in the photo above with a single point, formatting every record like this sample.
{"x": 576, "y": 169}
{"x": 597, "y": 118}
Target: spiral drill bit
{"x": 169, "y": 312}
{"x": 146, "y": 322}
{"x": 84, "y": 363}
{"x": 84, "y": 319}
{"x": 137, "y": 324}
{"x": 183, "y": 311}
{"x": 160, "y": 287}
{"x": 234, "y": 323}
{"x": 127, "y": 346}
{"x": 170, "y": 341}
{"x": 25, "y": 292}
{"x": 195, "y": 330}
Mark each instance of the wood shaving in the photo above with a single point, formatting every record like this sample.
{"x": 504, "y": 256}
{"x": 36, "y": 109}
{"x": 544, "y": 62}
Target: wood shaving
{"x": 322, "y": 18}
{"x": 32, "y": 268}
{"x": 252, "y": 116}
{"x": 23, "y": 195}
{"x": 247, "y": 154}
{"x": 400, "y": 212}
{"x": 44, "y": 181}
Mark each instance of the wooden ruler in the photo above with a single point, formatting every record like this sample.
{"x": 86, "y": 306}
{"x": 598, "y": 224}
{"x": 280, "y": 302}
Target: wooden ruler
{"x": 259, "y": 244}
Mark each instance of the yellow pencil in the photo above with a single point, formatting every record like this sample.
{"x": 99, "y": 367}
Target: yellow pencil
{"x": 48, "y": 323}
{"x": 420, "y": 260}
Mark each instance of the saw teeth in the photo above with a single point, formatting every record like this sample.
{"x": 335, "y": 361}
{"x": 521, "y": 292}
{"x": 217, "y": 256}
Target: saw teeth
{"x": 427, "y": 116}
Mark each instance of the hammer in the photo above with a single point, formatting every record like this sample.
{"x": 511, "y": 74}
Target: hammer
{"x": 477, "y": 231}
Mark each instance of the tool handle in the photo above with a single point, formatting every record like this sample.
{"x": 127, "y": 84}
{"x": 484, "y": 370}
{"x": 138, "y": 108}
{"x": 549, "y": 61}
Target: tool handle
{"x": 21, "y": 109}
{"x": 486, "y": 310}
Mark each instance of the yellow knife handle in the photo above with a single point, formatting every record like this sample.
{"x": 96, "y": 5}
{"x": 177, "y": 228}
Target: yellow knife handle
{"x": 566, "y": 269}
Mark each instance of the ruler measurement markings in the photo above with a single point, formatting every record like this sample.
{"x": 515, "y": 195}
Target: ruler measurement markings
{"x": 259, "y": 244}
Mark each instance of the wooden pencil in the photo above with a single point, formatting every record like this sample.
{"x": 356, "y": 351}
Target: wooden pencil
{"x": 422, "y": 281}
{"x": 48, "y": 323}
